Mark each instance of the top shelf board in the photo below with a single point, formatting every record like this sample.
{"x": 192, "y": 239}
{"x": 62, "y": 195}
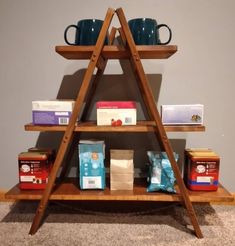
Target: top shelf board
{"x": 116, "y": 51}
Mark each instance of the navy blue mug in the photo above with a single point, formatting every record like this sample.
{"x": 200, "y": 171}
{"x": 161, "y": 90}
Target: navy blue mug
{"x": 87, "y": 32}
{"x": 145, "y": 31}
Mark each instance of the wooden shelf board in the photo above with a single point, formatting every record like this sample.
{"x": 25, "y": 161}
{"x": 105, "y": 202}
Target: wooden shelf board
{"x": 68, "y": 190}
{"x": 116, "y": 51}
{"x": 142, "y": 126}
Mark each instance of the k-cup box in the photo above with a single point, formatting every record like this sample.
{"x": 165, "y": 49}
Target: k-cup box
{"x": 116, "y": 113}
{"x": 188, "y": 114}
{"x": 52, "y": 112}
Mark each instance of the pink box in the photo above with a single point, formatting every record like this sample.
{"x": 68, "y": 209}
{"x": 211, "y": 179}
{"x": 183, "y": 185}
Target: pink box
{"x": 116, "y": 113}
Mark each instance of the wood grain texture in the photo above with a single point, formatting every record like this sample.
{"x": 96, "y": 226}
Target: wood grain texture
{"x": 116, "y": 52}
{"x": 69, "y": 190}
{"x": 142, "y": 126}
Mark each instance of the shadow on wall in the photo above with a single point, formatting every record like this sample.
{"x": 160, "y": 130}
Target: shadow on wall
{"x": 113, "y": 87}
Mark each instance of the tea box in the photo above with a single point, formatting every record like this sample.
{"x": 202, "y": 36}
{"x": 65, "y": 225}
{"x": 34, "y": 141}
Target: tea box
{"x": 116, "y": 113}
{"x": 52, "y": 112}
{"x": 188, "y": 114}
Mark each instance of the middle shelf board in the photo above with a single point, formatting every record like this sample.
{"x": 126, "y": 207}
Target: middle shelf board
{"x": 68, "y": 190}
{"x": 91, "y": 126}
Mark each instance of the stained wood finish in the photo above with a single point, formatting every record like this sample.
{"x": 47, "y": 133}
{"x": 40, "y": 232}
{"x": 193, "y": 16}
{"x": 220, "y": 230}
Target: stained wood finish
{"x": 142, "y": 126}
{"x": 69, "y": 190}
{"x": 101, "y": 67}
{"x": 70, "y": 128}
{"x": 160, "y": 132}
{"x": 116, "y": 51}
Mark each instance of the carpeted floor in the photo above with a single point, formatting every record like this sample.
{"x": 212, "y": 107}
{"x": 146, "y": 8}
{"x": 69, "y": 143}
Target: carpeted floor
{"x": 116, "y": 223}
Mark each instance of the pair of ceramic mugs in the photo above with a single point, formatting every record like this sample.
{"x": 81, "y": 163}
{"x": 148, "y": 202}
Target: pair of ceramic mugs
{"x": 145, "y": 31}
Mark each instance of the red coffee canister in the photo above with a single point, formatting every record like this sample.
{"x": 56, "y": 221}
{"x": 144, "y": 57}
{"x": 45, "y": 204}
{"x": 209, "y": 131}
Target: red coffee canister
{"x": 34, "y": 169}
{"x": 201, "y": 169}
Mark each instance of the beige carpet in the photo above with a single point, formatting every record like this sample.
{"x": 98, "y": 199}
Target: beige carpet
{"x": 116, "y": 223}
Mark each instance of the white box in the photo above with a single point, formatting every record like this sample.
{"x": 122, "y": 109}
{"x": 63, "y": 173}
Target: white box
{"x": 116, "y": 113}
{"x": 188, "y": 114}
{"x": 52, "y": 112}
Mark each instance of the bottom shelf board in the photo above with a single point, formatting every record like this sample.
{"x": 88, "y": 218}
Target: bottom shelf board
{"x": 69, "y": 190}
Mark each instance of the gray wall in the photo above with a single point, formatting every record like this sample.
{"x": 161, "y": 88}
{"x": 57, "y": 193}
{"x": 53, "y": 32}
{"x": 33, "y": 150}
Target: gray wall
{"x": 202, "y": 71}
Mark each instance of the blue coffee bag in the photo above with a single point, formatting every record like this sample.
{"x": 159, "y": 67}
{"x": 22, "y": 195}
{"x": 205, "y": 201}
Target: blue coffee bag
{"x": 161, "y": 176}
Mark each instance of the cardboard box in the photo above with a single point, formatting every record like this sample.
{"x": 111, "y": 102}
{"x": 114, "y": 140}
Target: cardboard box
{"x": 52, "y": 112}
{"x": 116, "y": 113}
{"x": 188, "y": 114}
{"x": 34, "y": 169}
{"x": 201, "y": 169}
{"x": 121, "y": 169}
{"x": 91, "y": 164}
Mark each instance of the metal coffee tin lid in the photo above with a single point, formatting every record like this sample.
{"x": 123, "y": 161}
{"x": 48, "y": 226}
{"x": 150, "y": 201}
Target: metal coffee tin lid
{"x": 43, "y": 150}
{"x": 198, "y": 150}
{"x": 202, "y": 154}
{"x": 32, "y": 156}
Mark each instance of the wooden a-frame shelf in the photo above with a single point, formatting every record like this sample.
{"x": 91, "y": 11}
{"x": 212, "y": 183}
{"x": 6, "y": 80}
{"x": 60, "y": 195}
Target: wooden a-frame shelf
{"x": 98, "y": 56}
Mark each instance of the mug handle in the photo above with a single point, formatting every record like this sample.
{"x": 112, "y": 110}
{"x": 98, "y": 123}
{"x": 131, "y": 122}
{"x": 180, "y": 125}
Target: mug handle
{"x": 65, "y": 34}
{"x": 170, "y": 33}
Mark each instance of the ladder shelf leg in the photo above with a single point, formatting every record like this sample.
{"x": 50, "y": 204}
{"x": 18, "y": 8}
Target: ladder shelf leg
{"x": 70, "y": 128}
{"x": 160, "y": 131}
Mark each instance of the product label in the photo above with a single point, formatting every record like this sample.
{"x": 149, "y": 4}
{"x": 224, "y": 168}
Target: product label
{"x": 116, "y": 117}
{"x": 92, "y": 182}
{"x": 203, "y": 175}
{"x": 27, "y": 178}
{"x": 33, "y": 174}
{"x": 156, "y": 175}
{"x": 50, "y": 117}
{"x": 203, "y": 179}
{"x": 91, "y": 165}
